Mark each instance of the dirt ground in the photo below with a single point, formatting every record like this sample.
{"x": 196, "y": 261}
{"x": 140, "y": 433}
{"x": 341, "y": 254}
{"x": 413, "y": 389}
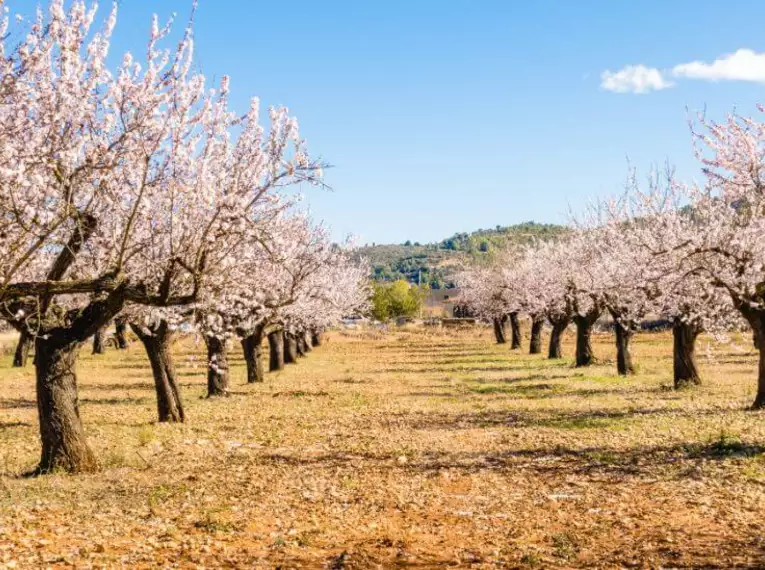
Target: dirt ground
{"x": 406, "y": 449}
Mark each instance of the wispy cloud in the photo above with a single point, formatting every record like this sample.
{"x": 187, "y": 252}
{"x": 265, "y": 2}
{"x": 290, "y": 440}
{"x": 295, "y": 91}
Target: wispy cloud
{"x": 742, "y": 65}
{"x": 634, "y": 79}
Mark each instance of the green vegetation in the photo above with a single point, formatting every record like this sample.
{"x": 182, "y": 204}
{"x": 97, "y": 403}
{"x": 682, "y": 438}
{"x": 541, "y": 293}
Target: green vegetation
{"x": 397, "y": 299}
{"x": 435, "y": 264}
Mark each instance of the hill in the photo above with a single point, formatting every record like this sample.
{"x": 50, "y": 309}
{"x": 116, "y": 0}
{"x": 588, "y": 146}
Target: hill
{"x": 435, "y": 263}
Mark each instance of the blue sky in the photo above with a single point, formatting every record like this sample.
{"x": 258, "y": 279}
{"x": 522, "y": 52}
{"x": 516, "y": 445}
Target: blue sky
{"x": 446, "y": 116}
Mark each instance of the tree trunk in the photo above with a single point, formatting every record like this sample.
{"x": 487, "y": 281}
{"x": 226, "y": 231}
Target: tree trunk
{"x": 515, "y": 328}
{"x": 759, "y": 400}
{"x": 253, "y": 356}
{"x": 684, "y": 354}
{"x": 22, "y": 349}
{"x": 756, "y": 319}
{"x": 307, "y": 341}
{"x": 584, "y": 324}
{"x": 559, "y": 326}
{"x": 120, "y": 332}
{"x": 317, "y": 338}
{"x": 300, "y": 344}
{"x": 500, "y": 330}
{"x": 290, "y": 348}
{"x": 535, "y": 345}
{"x": 276, "y": 351}
{"x": 64, "y": 445}
{"x": 623, "y": 355}
{"x": 99, "y": 341}
{"x": 217, "y": 366}
{"x": 157, "y": 342}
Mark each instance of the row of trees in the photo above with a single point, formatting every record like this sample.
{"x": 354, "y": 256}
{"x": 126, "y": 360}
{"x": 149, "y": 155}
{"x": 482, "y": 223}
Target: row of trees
{"x": 691, "y": 255}
{"x": 139, "y": 195}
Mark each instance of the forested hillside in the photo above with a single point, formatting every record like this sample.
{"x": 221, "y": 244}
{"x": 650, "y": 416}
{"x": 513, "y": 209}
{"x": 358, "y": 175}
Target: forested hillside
{"x": 435, "y": 263}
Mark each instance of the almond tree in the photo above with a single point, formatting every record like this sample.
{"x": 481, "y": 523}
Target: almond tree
{"x": 659, "y": 228}
{"x": 118, "y": 188}
{"x": 727, "y": 216}
{"x": 545, "y": 265}
{"x": 481, "y": 291}
{"x": 489, "y": 291}
{"x": 621, "y": 282}
{"x": 584, "y": 287}
{"x": 520, "y": 278}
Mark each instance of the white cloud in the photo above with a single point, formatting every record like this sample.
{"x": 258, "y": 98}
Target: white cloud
{"x": 743, "y": 65}
{"x": 634, "y": 79}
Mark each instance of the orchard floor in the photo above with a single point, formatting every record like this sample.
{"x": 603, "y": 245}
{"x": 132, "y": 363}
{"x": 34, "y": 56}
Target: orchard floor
{"x": 408, "y": 449}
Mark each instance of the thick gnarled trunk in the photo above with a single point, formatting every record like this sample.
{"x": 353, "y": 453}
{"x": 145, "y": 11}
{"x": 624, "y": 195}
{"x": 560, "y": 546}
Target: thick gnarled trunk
{"x": 276, "y": 350}
{"x": 535, "y": 343}
{"x": 99, "y": 341}
{"x": 584, "y": 324}
{"x": 64, "y": 445}
{"x": 317, "y": 338}
{"x": 158, "y": 341}
{"x": 515, "y": 331}
{"x": 290, "y": 348}
{"x": 253, "y": 356}
{"x": 624, "y": 335}
{"x": 500, "y": 329}
{"x": 308, "y": 345}
{"x": 559, "y": 326}
{"x": 120, "y": 332}
{"x": 217, "y": 366}
{"x": 684, "y": 354}
{"x": 22, "y": 349}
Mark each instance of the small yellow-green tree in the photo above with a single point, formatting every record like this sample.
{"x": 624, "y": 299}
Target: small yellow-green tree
{"x": 397, "y": 299}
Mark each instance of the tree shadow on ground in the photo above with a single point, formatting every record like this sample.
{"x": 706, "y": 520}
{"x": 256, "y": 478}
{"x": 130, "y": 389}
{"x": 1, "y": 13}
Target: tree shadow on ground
{"x": 525, "y": 419}
{"x": 116, "y": 386}
{"x": 440, "y": 369}
{"x": 636, "y": 461}
{"x": 126, "y": 401}
{"x": 11, "y": 425}
{"x": 14, "y": 403}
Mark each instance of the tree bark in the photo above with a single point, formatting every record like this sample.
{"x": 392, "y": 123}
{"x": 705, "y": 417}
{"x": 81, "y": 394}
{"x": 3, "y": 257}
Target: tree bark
{"x": 22, "y": 349}
{"x": 759, "y": 400}
{"x": 120, "y": 332}
{"x": 276, "y": 351}
{"x": 300, "y": 344}
{"x": 64, "y": 445}
{"x": 515, "y": 329}
{"x": 308, "y": 345}
{"x": 99, "y": 341}
{"x": 756, "y": 319}
{"x": 684, "y": 354}
{"x": 584, "y": 324}
{"x": 317, "y": 338}
{"x": 290, "y": 348}
{"x": 624, "y": 334}
{"x": 500, "y": 329}
{"x": 535, "y": 344}
{"x": 253, "y": 356}
{"x": 157, "y": 341}
{"x": 217, "y": 366}
{"x": 559, "y": 326}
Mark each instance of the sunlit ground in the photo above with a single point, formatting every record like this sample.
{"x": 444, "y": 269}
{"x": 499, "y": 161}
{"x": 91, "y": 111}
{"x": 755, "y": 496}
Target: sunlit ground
{"x": 412, "y": 448}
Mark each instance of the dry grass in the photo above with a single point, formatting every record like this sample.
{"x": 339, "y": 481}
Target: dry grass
{"x": 413, "y": 449}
